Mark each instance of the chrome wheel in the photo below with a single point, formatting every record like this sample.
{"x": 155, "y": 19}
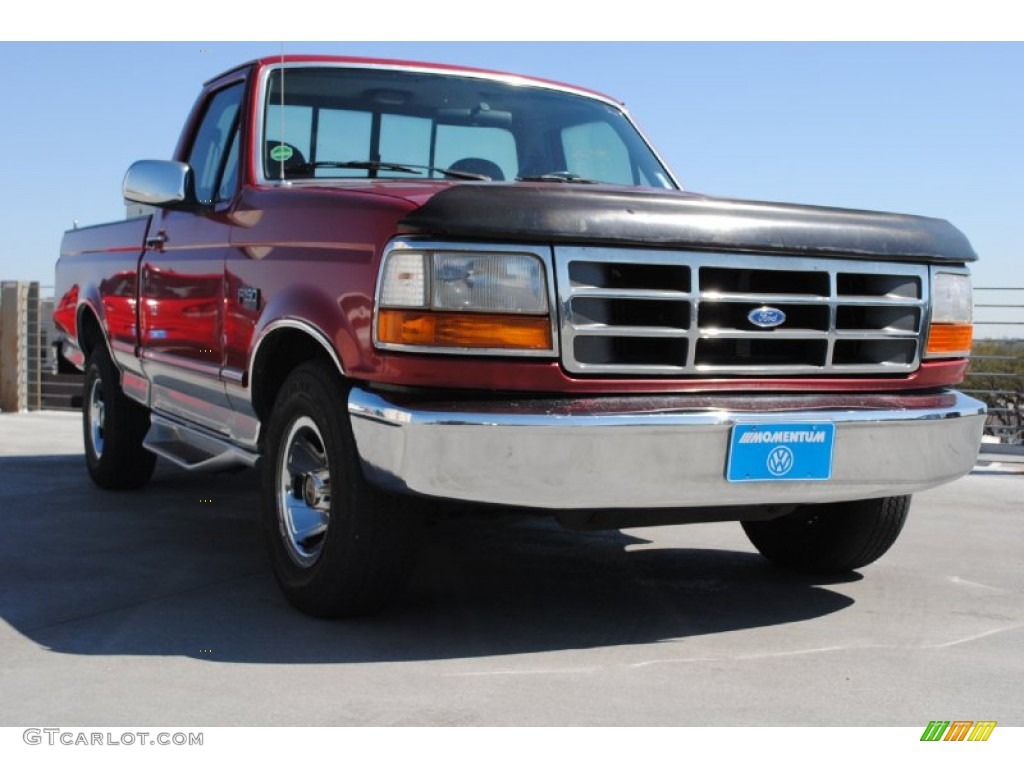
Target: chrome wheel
{"x": 97, "y": 417}
{"x": 113, "y": 428}
{"x": 303, "y": 492}
{"x": 339, "y": 547}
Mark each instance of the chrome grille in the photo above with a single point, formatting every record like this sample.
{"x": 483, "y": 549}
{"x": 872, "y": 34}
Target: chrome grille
{"x": 636, "y": 312}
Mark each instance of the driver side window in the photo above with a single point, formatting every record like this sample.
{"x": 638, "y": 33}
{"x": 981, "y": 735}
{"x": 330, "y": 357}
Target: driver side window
{"x": 229, "y": 177}
{"x": 214, "y": 142}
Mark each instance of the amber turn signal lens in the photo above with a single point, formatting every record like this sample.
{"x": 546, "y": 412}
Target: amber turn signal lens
{"x": 946, "y": 339}
{"x": 463, "y": 329}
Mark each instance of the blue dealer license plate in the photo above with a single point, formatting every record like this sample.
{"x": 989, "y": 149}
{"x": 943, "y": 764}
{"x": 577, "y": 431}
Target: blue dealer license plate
{"x": 760, "y": 452}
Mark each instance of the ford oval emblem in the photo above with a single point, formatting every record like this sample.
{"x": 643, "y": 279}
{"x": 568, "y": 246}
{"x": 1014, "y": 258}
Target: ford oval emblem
{"x": 767, "y": 317}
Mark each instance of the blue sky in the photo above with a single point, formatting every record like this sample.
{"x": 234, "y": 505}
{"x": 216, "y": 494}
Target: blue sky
{"x": 926, "y": 128}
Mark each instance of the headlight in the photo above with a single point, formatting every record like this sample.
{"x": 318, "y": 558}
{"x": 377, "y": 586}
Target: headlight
{"x": 951, "y": 331}
{"x": 464, "y": 300}
{"x": 489, "y": 283}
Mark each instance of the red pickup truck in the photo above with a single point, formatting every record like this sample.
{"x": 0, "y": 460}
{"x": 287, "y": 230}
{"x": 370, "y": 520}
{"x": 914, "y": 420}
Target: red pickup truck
{"x": 389, "y": 282}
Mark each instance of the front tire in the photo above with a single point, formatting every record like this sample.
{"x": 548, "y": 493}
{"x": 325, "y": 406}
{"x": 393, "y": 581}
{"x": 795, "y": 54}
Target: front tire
{"x": 338, "y": 546}
{"x": 831, "y": 538}
{"x": 113, "y": 428}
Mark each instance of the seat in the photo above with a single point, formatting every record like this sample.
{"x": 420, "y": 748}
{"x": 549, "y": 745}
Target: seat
{"x": 294, "y": 164}
{"x": 479, "y": 166}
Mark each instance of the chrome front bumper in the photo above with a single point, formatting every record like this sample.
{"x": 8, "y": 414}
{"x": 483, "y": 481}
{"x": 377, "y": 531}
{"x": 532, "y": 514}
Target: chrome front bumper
{"x": 654, "y": 452}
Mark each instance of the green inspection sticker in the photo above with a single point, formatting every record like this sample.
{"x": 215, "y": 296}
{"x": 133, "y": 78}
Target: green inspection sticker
{"x": 281, "y": 153}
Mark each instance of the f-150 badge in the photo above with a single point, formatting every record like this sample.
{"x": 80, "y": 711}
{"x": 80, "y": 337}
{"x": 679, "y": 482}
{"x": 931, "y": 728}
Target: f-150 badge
{"x": 249, "y": 298}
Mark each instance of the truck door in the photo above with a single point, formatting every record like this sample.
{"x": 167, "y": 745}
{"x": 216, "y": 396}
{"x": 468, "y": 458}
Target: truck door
{"x": 181, "y": 284}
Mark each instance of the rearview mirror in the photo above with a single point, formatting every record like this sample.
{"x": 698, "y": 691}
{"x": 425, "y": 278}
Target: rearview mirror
{"x": 163, "y": 183}
{"x": 482, "y": 116}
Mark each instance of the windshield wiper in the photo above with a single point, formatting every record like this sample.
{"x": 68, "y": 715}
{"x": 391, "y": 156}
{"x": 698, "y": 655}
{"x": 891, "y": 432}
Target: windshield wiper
{"x": 366, "y": 165}
{"x": 379, "y": 165}
{"x": 563, "y": 177}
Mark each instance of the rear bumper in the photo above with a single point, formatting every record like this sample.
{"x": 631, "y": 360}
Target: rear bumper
{"x": 654, "y": 452}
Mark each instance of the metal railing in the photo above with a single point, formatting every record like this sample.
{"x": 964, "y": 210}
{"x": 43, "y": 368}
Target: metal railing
{"x": 996, "y": 374}
{"x": 29, "y": 378}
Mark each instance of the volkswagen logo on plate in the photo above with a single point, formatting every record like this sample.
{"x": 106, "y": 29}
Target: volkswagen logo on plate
{"x": 767, "y": 317}
{"x": 780, "y": 461}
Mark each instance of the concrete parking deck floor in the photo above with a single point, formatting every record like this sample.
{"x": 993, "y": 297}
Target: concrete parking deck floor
{"x": 158, "y": 606}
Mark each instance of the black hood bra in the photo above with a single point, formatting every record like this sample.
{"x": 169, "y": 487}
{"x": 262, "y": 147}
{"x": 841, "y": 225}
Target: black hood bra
{"x": 603, "y": 215}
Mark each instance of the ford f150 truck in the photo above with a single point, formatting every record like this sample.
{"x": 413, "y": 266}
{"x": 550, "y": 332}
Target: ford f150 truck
{"x": 389, "y": 282}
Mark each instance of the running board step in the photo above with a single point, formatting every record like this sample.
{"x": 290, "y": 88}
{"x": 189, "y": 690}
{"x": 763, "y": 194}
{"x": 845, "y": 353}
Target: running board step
{"x": 192, "y": 448}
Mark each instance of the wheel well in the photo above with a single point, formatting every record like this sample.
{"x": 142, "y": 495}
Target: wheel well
{"x": 90, "y": 334}
{"x": 279, "y": 354}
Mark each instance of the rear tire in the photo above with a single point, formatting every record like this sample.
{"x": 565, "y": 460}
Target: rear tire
{"x": 831, "y": 538}
{"x": 113, "y": 427}
{"x": 338, "y": 546}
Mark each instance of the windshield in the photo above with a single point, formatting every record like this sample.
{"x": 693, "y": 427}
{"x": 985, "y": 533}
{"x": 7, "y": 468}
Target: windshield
{"x": 350, "y": 123}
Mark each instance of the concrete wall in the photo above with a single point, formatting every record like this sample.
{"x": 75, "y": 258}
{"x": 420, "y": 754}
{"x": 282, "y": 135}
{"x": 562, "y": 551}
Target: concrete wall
{"x": 19, "y": 346}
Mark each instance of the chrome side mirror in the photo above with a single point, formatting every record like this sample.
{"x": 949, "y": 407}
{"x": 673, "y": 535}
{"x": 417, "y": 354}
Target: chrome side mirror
{"x": 158, "y": 182}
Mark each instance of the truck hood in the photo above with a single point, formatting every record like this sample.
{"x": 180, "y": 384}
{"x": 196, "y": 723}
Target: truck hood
{"x": 607, "y": 215}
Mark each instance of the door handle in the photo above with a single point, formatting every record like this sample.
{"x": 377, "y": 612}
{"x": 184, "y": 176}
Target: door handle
{"x": 157, "y": 240}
